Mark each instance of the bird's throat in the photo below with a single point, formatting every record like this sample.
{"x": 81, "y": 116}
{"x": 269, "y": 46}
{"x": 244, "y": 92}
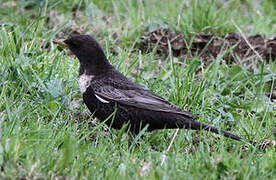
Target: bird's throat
{"x": 94, "y": 68}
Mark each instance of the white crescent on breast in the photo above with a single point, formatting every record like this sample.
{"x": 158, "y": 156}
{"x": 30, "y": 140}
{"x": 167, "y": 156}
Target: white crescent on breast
{"x": 84, "y": 81}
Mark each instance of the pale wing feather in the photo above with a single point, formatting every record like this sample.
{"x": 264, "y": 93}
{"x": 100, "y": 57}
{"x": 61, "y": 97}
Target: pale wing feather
{"x": 140, "y": 99}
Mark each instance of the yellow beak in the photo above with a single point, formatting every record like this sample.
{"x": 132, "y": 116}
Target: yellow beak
{"x": 62, "y": 43}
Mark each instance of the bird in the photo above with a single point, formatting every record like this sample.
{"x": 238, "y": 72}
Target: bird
{"x": 107, "y": 92}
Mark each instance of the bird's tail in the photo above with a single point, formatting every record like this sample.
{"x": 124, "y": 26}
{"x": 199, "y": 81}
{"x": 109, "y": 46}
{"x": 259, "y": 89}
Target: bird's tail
{"x": 198, "y": 126}
{"x": 195, "y": 125}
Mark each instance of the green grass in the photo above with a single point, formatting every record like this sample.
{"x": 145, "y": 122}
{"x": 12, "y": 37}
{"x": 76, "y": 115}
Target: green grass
{"x": 44, "y": 136}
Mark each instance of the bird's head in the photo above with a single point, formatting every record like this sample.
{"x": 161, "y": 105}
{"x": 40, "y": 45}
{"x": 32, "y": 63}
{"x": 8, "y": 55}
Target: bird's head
{"x": 87, "y": 49}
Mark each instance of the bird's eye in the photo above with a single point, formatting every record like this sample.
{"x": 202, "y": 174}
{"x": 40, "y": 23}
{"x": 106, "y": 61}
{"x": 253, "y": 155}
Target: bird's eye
{"x": 74, "y": 44}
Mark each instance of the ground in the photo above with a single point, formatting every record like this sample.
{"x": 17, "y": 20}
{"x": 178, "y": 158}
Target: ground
{"x": 177, "y": 49}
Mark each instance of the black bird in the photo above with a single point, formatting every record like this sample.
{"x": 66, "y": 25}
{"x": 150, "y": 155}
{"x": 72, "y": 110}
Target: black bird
{"x": 105, "y": 91}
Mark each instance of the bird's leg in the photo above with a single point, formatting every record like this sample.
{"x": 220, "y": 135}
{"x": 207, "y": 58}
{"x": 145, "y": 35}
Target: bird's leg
{"x": 131, "y": 138}
{"x": 134, "y": 139}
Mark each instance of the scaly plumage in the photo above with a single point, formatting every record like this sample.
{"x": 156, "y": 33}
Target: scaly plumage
{"x": 106, "y": 89}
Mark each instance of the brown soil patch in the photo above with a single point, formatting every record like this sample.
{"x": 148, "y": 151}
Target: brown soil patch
{"x": 208, "y": 47}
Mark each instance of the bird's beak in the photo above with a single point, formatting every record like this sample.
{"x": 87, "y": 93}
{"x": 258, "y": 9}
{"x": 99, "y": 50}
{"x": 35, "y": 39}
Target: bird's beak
{"x": 62, "y": 43}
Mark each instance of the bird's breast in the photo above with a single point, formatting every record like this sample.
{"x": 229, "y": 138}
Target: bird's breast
{"x": 85, "y": 81}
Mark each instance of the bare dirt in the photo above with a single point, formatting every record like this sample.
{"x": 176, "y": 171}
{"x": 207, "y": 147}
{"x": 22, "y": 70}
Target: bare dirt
{"x": 233, "y": 48}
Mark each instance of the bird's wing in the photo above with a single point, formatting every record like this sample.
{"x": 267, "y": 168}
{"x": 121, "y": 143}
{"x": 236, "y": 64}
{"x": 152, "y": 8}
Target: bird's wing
{"x": 133, "y": 95}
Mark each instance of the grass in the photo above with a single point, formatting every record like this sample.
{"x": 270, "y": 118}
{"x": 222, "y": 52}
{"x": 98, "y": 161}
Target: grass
{"x": 43, "y": 135}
